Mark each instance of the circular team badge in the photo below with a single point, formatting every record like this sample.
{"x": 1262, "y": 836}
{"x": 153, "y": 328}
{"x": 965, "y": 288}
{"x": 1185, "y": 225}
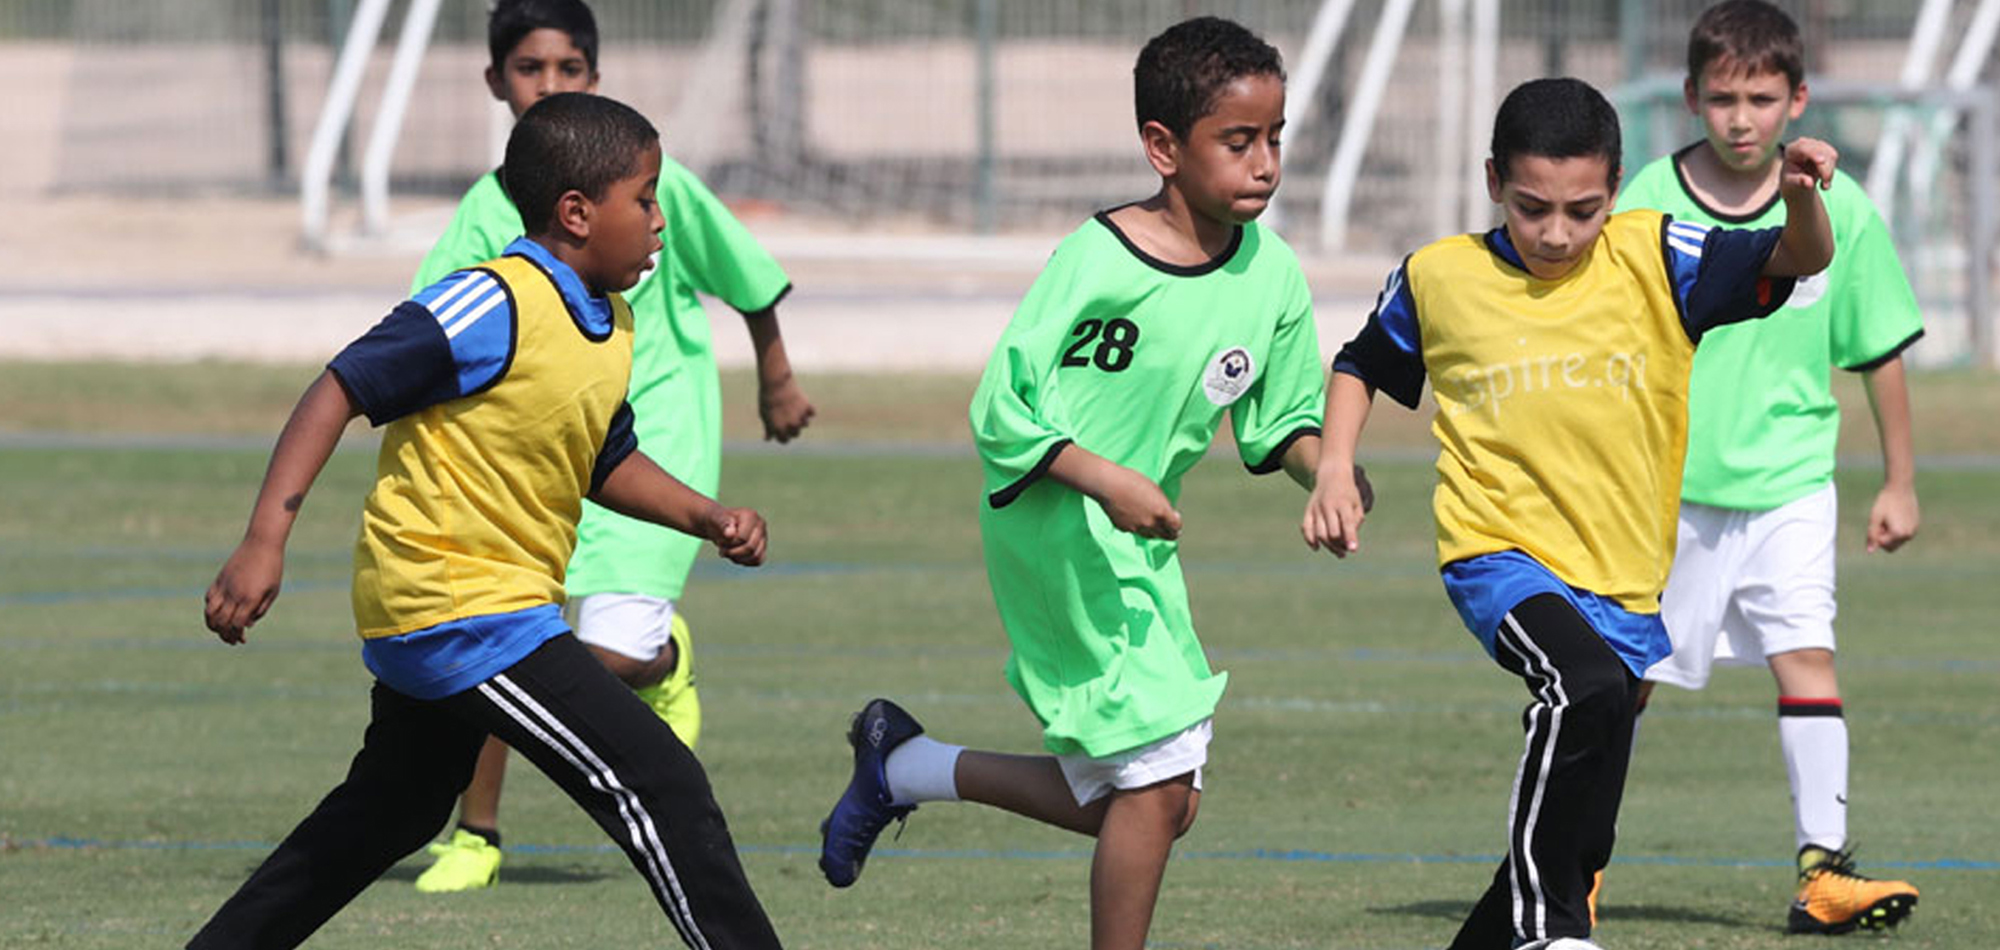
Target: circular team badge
{"x": 1228, "y": 375}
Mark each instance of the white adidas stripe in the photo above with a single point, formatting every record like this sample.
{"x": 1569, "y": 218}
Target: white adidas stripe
{"x": 644, "y": 835}
{"x": 1686, "y": 237}
{"x": 476, "y": 289}
{"x": 1524, "y": 853}
{"x": 486, "y": 306}
{"x": 465, "y": 281}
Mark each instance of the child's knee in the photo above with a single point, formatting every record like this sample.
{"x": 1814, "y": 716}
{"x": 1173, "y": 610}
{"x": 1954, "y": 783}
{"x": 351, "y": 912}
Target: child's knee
{"x": 1608, "y": 697}
{"x": 638, "y": 674}
{"x": 1188, "y": 811}
{"x": 1173, "y": 804}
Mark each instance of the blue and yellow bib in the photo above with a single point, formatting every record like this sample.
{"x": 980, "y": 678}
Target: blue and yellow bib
{"x": 476, "y": 498}
{"x": 1562, "y": 407}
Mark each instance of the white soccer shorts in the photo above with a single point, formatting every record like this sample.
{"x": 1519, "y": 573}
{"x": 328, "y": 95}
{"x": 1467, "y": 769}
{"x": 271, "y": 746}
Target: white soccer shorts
{"x": 1183, "y": 752}
{"x": 633, "y": 625}
{"x": 1747, "y": 585}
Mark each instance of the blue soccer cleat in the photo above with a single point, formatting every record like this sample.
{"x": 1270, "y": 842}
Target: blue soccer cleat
{"x": 847, "y": 835}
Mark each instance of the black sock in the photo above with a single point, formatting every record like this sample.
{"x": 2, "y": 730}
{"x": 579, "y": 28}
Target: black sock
{"x": 492, "y": 835}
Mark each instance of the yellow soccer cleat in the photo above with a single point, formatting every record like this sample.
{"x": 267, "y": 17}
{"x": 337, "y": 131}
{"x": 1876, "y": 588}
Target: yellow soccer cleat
{"x": 1833, "y": 899}
{"x": 467, "y": 862}
{"x": 674, "y": 698}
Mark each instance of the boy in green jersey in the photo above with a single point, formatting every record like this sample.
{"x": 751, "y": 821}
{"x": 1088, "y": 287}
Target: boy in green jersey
{"x": 1753, "y": 580}
{"x": 1149, "y": 323}
{"x": 626, "y": 575}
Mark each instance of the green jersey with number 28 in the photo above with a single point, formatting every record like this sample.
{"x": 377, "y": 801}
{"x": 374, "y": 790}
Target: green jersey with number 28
{"x": 1136, "y": 360}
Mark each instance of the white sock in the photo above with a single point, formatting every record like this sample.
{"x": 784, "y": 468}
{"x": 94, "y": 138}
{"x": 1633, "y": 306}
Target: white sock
{"x": 1813, "y": 735}
{"x": 923, "y": 769}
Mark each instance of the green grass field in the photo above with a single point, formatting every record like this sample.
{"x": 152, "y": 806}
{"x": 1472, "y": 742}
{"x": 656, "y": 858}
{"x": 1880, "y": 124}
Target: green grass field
{"x": 1355, "y": 792}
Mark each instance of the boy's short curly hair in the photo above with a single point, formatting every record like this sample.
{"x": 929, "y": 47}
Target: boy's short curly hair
{"x": 514, "y": 19}
{"x": 571, "y": 141}
{"x": 1182, "y": 71}
{"x": 1755, "y": 36}
{"x": 1556, "y": 118}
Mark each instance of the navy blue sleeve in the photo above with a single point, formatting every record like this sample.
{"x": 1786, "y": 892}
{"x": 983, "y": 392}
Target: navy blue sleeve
{"x": 454, "y": 338}
{"x": 619, "y": 442}
{"x": 1388, "y": 353}
{"x": 1718, "y": 274}
{"x": 399, "y": 366}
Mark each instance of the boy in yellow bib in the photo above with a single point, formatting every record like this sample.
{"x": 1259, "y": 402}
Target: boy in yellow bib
{"x": 626, "y": 577}
{"x": 501, "y": 390}
{"x": 1558, "y": 348}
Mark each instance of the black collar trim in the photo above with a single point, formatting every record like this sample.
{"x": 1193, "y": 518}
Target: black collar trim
{"x": 1209, "y": 266}
{"x": 1680, "y": 176}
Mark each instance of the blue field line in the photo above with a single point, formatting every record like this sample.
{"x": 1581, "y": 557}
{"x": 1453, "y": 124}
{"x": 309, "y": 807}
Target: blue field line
{"x": 198, "y": 639}
{"x": 208, "y": 553}
{"x": 56, "y": 598}
{"x": 18, "y": 699}
{"x": 1270, "y": 855}
{"x": 711, "y": 570}
{"x": 997, "y": 652}
{"x": 702, "y": 572}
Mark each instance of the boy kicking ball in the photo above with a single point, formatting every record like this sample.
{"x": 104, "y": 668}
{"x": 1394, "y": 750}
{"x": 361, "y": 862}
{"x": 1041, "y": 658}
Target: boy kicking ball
{"x": 1557, "y": 347}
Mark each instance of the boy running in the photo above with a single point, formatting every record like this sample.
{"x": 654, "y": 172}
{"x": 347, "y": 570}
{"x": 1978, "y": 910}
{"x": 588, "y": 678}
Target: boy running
{"x": 1557, "y": 347}
{"x": 627, "y": 576}
{"x": 1753, "y": 579}
{"x": 1149, "y": 323}
{"x": 501, "y": 390}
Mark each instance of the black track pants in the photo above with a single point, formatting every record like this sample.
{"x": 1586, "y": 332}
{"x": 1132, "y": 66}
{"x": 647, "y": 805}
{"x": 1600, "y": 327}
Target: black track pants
{"x": 577, "y": 723}
{"x": 1563, "y": 813}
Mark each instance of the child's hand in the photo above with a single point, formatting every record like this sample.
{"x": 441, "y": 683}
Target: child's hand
{"x": 1335, "y": 511}
{"x": 784, "y": 408}
{"x": 243, "y": 589}
{"x": 1808, "y": 163}
{"x": 1893, "y": 520}
{"x": 1137, "y": 505}
{"x": 739, "y": 534}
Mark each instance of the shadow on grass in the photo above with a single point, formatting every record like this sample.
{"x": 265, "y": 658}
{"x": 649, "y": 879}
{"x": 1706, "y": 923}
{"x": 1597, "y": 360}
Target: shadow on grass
{"x": 528, "y": 874}
{"x": 1442, "y": 910}
{"x": 1657, "y": 913}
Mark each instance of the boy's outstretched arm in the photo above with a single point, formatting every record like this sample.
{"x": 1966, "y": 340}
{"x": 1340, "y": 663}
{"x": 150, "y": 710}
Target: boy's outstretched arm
{"x": 1340, "y": 499}
{"x": 640, "y": 488}
{"x": 1133, "y": 502}
{"x": 781, "y": 404}
{"x": 248, "y": 582}
{"x": 1894, "y": 518}
{"x": 1806, "y": 246}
